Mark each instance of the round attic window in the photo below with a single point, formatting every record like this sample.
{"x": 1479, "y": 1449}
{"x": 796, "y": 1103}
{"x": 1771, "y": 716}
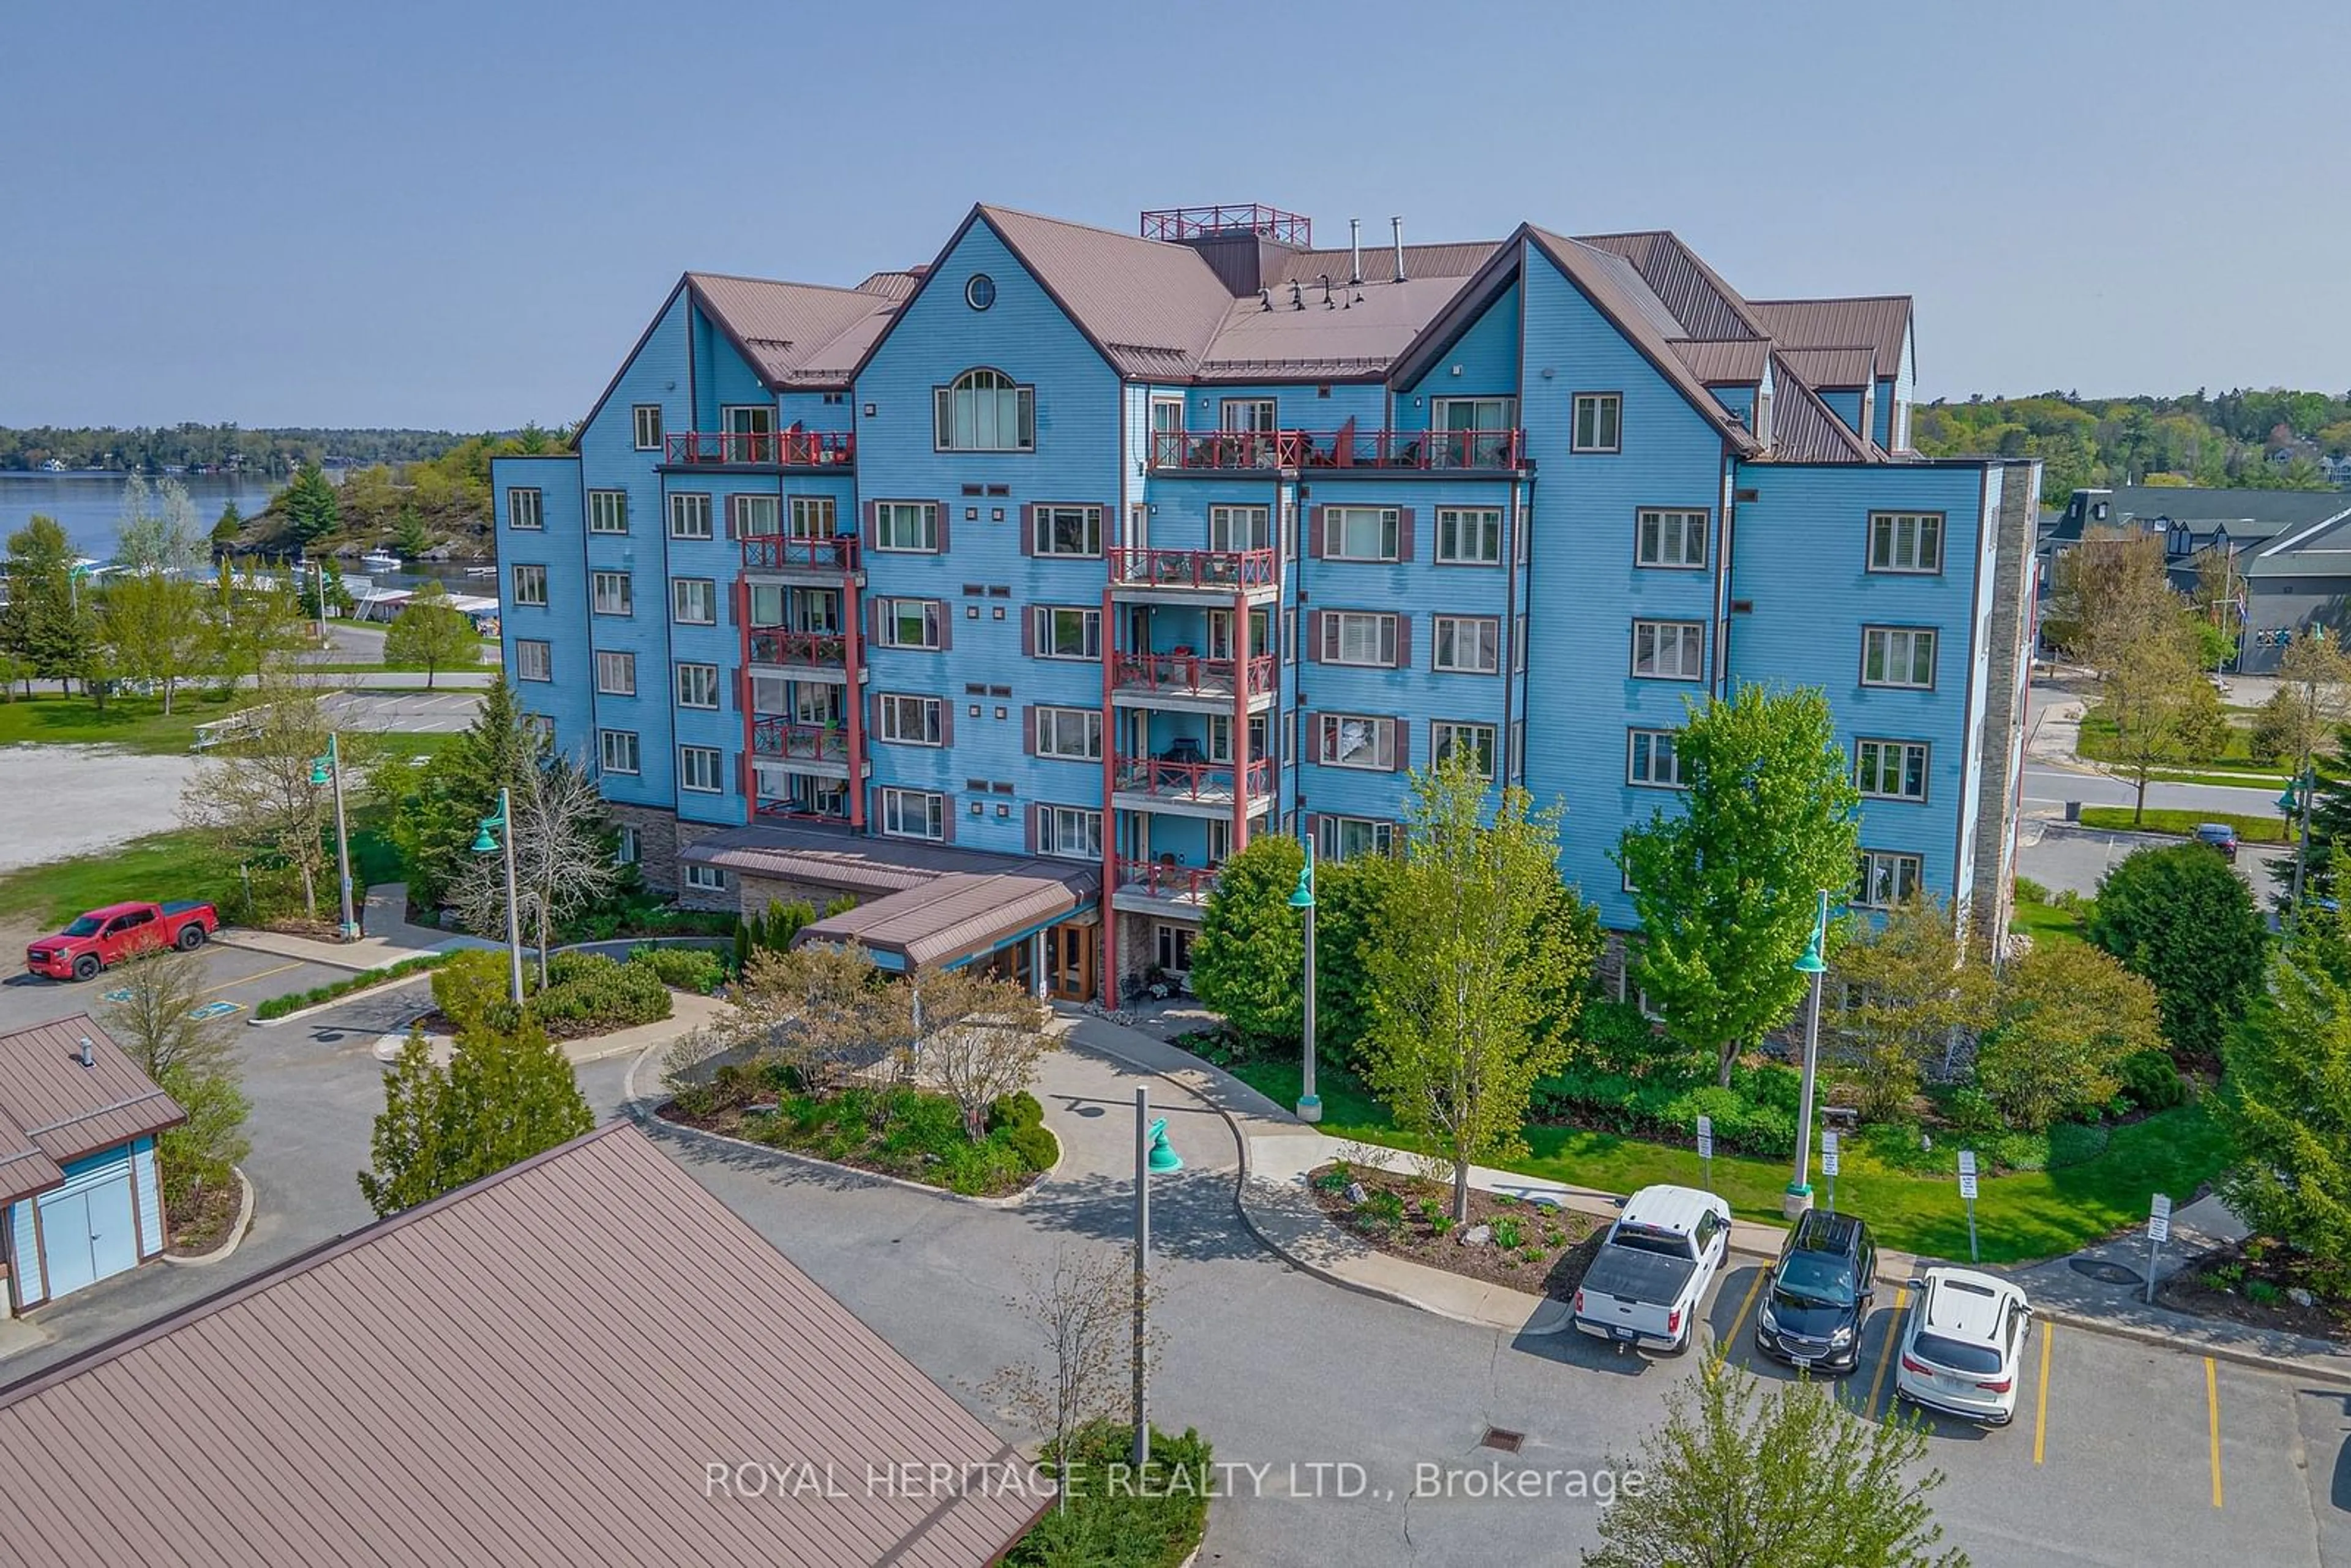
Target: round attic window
{"x": 980, "y": 293}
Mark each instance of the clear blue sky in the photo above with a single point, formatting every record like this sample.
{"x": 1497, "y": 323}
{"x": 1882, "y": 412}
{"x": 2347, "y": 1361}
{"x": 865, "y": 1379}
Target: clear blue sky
{"x": 461, "y": 215}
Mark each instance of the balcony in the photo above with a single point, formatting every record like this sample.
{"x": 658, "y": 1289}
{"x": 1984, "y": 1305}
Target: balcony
{"x": 1189, "y": 789}
{"x": 818, "y": 748}
{"x": 760, "y": 449}
{"x": 1382, "y": 451}
{"x": 782, "y": 809}
{"x": 1185, "y": 678}
{"x": 1185, "y": 570}
{"x": 828, "y": 557}
{"x": 821, "y": 651}
{"x": 1162, "y": 886}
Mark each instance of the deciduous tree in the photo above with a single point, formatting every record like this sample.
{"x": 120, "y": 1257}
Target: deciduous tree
{"x": 2068, "y": 1015}
{"x": 1465, "y": 963}
{"x": 2285, "y": 1104}
{"x": 431, "y": 635}
{"x": 1249, "y": 961}
{"x": 2182, "y": 919}
{"x": 562, "y": 854}
{"x": 253, "y": 795}
{"x": 1727, "y": 882}
{"x": 1082, "y": 1312}
{"x": 154, "y": 1012}
{"x": 1913, "y": 993}
{"x": 158, "y": 531}
{"x": 251, "y": 622}
{"x": 977, "y": 1037}
{"x": 820, "y": 1007}
{"x": 1742, "y": 1477}
{"x": 2152, "y": 691}
{"x": 154, "y": 626}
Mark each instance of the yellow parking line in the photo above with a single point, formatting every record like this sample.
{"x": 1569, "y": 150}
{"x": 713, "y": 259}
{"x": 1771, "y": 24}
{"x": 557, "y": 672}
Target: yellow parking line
{"x": 2212, "y": 1421}
{"x": 2040, "y": 1414}
{"x": 243, "y": 979}
{"x": 1885, "y": 1351}
{"x": 1745, "y": 1306}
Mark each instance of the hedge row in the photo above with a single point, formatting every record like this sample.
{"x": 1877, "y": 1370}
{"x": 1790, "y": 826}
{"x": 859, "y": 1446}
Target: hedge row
{"x": 295, "y": 1002}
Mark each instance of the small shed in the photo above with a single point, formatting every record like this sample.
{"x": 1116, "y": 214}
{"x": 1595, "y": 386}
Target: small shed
{"x": 79, "y": 1198}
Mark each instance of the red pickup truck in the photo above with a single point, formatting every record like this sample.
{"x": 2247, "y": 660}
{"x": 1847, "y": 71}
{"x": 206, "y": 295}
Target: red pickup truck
{"x": 120, "y": 931}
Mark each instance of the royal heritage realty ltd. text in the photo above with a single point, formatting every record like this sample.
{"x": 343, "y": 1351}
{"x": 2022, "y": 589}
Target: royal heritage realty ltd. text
{"x": 818, "y": 1482}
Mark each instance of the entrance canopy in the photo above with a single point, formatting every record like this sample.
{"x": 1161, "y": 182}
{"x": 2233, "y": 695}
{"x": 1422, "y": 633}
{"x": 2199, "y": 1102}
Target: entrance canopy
{"x": 938, "y": 906}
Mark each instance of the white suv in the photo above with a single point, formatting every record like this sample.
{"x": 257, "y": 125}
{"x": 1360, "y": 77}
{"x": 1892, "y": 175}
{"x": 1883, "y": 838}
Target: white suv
{"x": 1964, "y": 1345}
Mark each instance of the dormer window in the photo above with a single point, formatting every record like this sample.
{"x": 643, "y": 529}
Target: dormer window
{"x": 985, "y": 411}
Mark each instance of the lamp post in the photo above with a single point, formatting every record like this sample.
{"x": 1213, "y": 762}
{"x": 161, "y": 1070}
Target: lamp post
{"x": 2296, "y": 798}
{"x": 1800, "y": 1191}
{"x": 1301, "y": 898}
{"x": 495, "y": 833}
{"x": 330, "y": 769}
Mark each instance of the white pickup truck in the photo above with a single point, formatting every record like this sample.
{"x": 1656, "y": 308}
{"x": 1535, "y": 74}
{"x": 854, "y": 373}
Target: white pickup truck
{"x": 1646, "y": 1280}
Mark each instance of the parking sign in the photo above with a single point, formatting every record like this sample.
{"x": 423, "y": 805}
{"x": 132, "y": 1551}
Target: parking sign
{"x": 1828, "y": 1154}
{"x": 1967, "y": 1174}
{"x": 2158, "y": 1219}
{"x": 1706, "y": 1137}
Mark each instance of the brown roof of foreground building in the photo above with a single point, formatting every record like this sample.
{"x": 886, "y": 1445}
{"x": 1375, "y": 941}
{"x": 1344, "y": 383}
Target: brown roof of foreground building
{"x": 538, "y": 1368}
{"x": 786, "y": 328}
{"x": 54, "y": 1111}
{"x": 1882, "y": 322}
{"x": 1731, "y": 361}
{"x": 1806, "y": 429}
{"x": 1837, "y": 369}
{"x": 950, "y": 917}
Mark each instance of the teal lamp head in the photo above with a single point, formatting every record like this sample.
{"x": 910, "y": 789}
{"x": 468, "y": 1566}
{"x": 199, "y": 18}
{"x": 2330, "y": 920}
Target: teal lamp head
{"x": 2289, "y": 802}
{"x": 319, "y": 774}
{"x": 483, "y": 842}
{"x": 1811, "y": 962}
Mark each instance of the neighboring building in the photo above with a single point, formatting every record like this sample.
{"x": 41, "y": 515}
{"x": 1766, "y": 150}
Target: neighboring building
{"x": 77, "y": 1126}
{"x": 565, "y": 1363}
{"x": 2288, "y": 552}
{"x": 1079, "y": 546}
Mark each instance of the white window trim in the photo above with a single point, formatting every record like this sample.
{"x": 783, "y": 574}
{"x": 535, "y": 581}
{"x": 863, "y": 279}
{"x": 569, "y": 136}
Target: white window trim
{"x": 617, "y": 503}
{"x": 705, "y": 878}
{"x": 1632, "y": 742}
{"x": 1041, "y": 519}
{"x": 1891, "y": 568}
{"x": 739, "y": 507}
{"x": 1041, "y": 625}
{"x": 1437, "y": 737}
{"x": 932, "y": 623}
{"x": 1257, "y": 533}
{"x": 1903, "y": 747}
{"x": 546, "y": 660}
{"x": 1575, "y": 421}
{"x": 1685, "y": 518}
{"x": 515, "y": 508}
{"x": 678, "y": 685}
{"x": 1387, "y": 634}
{"x": 1050, "y": 819}
{"x": 688, "y": 520}
{"x": 1681, "y": 640}
{"x": 679, "y": 588}
{"x": 539, "y": 576}
{"x": 1328, "y": 829}
{"x": 626, "y": 598}
{"x": 626, "y": 849}
{"x": 1491, "y": 637}
{"x": 1023, "y": 397}
{"x": 624, "y": 661}
{"x": 1934, "y": 653}
{"x": 1390, "y": 523}
{"x": 691, "y": 758}
{"x": 1869, "y": 866}
{"x": 884, "y": 516}
{"x": 886, "y": 707}
{"x": 637, "y": 413}
{"x": 1460, "y": 519}
{"x": 1052, "y": 720}
{"x": 932, "y": 805}
{"x": 605, "y": 749}
{"x": 1328, "y": 757}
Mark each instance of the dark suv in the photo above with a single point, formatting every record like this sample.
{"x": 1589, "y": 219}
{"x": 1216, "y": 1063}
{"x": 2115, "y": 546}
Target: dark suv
{"x": 1819, "y": 1293}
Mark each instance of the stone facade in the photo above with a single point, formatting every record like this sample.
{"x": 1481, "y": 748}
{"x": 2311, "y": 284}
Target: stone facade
{"x": 657, "y": 845}
{"x": 2007, "y": 682}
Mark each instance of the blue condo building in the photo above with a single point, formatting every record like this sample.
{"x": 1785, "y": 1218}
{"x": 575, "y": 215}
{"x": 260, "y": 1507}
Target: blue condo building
{"x": 1008, "y": 594}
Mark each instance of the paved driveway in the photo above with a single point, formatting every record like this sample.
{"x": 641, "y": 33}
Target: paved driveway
{"x": 234, "y": 977}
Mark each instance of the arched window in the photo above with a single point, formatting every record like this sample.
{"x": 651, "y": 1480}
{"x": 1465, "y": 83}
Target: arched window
{"x": 985, "y": 411}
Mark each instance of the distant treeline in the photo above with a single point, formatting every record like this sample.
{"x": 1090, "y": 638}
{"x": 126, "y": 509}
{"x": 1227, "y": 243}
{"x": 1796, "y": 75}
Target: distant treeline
{"x": 2242, "y": 439}
{"x": 222, "y": 447}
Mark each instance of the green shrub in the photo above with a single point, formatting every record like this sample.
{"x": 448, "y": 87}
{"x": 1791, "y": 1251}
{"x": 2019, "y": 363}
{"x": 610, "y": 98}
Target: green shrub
{"x": 2263, "y": 1292}
{"x": 1037, "y": 1147}
{"x": 2030, "y": 891}
{"x": 1381, "y": 1208}
{"x": 1019, "y": 1109}
{"x": 589, "y": 993}
{"x": 1614, "y": 1038}
{"x": 1335, "y": 1179}
{"x": 1509, "y": 1233}
{"x": 470, "y": 984}
{"x": 1150, "y": 1521}
{"x": 2151, "y": 1081}
{"x": 696, "y": 969}
{"x": 278, "y": 1007}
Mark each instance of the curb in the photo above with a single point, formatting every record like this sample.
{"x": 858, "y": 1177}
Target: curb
{"x": 332, "y": 1002}
{"x": 237, "y": 1230}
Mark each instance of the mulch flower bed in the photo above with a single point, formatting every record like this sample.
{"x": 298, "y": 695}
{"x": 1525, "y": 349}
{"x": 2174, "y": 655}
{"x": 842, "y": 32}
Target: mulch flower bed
{"x": 2255, "y": 1284}
{"x": 891, "y": 1131}
{"x": 204, "y": 1227}
{"x": 1526, "y": 1246}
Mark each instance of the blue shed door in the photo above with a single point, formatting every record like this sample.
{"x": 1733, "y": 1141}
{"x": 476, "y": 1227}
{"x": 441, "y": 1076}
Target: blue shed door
{"x": 86, "y": 1230}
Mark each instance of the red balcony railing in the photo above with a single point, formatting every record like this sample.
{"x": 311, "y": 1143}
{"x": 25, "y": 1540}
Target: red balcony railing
{"x": 1473, "y": 450}
{"x": 826, "y": 649}
{"x": 1162, "y": 879}
{"x": 771, "y": 552}
{"x": 1187, "y": 673}
{"x": 1189, "y": 780}
{"x": 783, "y": 738}
{"x": 763, "y": 448}
{"x": 1225, "y": 569}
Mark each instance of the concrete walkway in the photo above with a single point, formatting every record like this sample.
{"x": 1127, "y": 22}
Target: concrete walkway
{"x": 390, "y": 937}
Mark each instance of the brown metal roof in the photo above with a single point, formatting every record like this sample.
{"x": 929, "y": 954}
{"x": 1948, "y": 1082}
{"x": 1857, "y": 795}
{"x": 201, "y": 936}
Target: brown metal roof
{"x": 1839, "y": 370}
{"x": 1126, "y": 292}
{"x": 66, "y": 1110}
{"x": 1705, "y": 305}
{"x": 1617, "y": 288}
{"x": 1454, "y": 260}
{"x": 1882, "y": 322}
{"x": 1362, "y": 330}
{"x": 1806, "y": 429}
{"x": 535, "y": 1369}
{"x": 1734, "y": 362}
{"x": 782, "y": 327}
{"x": 952, "y": 916}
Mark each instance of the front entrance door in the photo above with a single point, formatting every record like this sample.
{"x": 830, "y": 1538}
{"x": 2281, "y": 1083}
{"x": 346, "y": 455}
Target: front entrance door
{"x": 1070, "y": 963}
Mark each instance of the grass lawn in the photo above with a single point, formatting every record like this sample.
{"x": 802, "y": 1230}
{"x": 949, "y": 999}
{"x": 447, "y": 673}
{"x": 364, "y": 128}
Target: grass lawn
{"x": 2249, "y": 830}
{"x": 172, "y": 865}
{"x": 2029, "y": 1214}
{"x": 2046, "y": 922}
{"x": 2257, "y": 778}
{"x": 2097, "y": 743}
{"x": 138, "y": 723}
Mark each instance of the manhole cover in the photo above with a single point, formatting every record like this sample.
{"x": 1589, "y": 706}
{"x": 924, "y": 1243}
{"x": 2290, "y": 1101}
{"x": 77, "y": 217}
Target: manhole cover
{"x": 2098, "y": 1268}
{"x": 1508, "y": 1442}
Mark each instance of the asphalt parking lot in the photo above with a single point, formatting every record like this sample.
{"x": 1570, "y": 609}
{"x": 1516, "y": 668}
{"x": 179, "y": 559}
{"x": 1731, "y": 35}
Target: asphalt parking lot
{"x": 408, "y": 711}
{"x": 237, "y": 980}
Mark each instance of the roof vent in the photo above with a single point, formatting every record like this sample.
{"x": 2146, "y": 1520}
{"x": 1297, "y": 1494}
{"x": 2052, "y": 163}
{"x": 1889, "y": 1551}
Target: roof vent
{"x": 1396, "y": 225}
{"x": 1297, "y": 296}
{"x": 1327, "y": 303}
{"x": 1355, "y": 250}
{"x": 89, "y": 1052}
{"x": 1265, "y": 299}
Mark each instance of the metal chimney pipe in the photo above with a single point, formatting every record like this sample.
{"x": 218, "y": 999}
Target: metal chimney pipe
{"x": 89, "y": 1052}
{"x": 1355, "y": 247}
{"x": 1397, "y": 225}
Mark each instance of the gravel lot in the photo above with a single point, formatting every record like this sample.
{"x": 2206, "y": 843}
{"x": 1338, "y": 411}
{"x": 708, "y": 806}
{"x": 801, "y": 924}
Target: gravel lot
{"x": 101, "y": 795}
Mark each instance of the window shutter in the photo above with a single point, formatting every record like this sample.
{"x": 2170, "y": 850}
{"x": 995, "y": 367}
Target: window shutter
{"x": 1403, "y": 643}
{"x": 737, "y": 592}
{"x": 1315, "y": 531}
{"x": 1029, "y": 729}
{"x": 873, "y": 522}
{"x": 947, "y": 722}
{"x": 1404, "y": 533}
{"x": 946, "y": 819}
{"x": 1034, "y": 814}
{"x": 1314, "y": 636}
{"x": 1403, "y": 743}
{"x": 946, "y": 624}
{"x": 731, "y": 508}
{"x": 1029, "y": 631}
{"x": 743, "y": 781}
{"x": 873, "y": 714}
{"x": 1313, "y": 820}
{"x": 946, "y": 510}
{"x": 1029, "y": 527}
{"x": 876, "y": 621}
{"x": 873, "y": 808}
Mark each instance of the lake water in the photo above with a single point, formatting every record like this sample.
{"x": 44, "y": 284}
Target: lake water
{"x": 90, "y": 506}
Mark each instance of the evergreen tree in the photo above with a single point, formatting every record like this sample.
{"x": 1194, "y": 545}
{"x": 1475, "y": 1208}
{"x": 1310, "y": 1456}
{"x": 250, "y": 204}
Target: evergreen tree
{"x": 411, "y": 539}
{"x": 506, "y": 1095}
{"x": 310, "y": 504}
{"x": 231, "y": 524}
{"x": 43, "y": 626}
{"x": 1726, "y": 885}
{"x": 1249, "y": 961}
{"x": 433, "y": 826}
